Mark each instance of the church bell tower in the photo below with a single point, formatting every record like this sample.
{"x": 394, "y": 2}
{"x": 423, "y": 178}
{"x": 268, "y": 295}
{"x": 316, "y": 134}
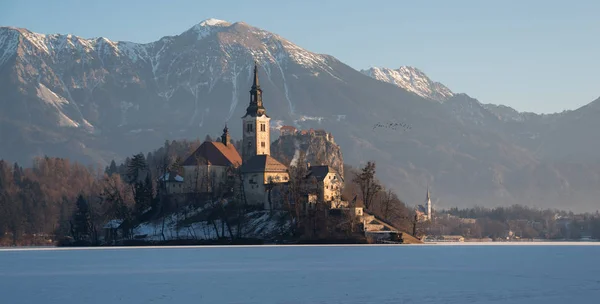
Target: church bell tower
{"x": 256, "y": 129}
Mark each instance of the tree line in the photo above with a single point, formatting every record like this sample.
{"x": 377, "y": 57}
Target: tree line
{"x": 57, "y": 198}
{"x": 515, "y": 222}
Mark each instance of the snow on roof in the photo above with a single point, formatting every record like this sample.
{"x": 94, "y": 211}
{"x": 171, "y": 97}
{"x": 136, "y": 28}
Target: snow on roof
{"x": 171, "y": 178}
{"x": 113, "y": 224}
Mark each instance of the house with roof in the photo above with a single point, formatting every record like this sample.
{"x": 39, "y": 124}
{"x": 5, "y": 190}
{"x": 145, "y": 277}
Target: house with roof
{"x": 326, "y": 183}
{"x": 210, "y": 167}
{"x": 174, "y": 183}
{"x": 287, "y": 131}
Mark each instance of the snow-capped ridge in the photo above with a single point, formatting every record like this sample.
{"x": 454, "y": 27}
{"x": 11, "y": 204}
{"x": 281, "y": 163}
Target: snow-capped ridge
{"x": 412, "y": 80}
{"x": 214, "y": 22}
{"x": 208, "y": 26}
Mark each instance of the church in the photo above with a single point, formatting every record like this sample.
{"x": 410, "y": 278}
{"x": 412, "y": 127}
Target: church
{"x": 210, "y": 168}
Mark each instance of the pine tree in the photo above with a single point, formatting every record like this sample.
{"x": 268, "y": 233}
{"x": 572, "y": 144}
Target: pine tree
{"x": 136, "y": 167}
{"x": 112, "y": 168}
{"x": 81, "y": 227}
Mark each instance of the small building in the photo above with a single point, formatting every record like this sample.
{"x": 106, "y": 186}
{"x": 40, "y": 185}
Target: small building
{"x": 174, "y": 183}
{"x": 112, "y": 231}
{"x": 287, "y": 131}
{"x": 452, "y": 238}
{"x": 326, "y": 182}
{"x": 468, "y": 220}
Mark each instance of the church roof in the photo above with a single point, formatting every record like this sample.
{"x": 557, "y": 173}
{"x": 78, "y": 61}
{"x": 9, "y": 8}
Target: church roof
{"x": 263, "y": 163}
{"x": 320, "y": 172}
{"x": 215, "y": 154}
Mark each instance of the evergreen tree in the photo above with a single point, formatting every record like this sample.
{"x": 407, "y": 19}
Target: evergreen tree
{"x": 136, "y": 167}
{"x": 112, "y": 168}
{"x": 81, "y": 227}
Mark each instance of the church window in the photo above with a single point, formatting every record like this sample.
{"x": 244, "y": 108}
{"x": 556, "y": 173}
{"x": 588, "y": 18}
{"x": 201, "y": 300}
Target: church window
{"x": 263, "y": 127}
{"x": 249, "y": 127}
{"x": 262, "y": 144}
{"x": 249, "y": 144}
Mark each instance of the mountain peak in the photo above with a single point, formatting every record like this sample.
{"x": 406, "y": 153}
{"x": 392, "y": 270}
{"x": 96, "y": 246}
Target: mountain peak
{"x": 214, "y": 22}
{"x": 412, "y": 80}
{"x": 208, "y": 26}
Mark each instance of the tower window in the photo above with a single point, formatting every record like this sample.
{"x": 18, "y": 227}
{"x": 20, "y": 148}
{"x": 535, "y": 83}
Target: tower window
{"x": 249, "y": 127}
{"x": 262, "y": 144}
{"x": 263, "y": 127}
{"x": 249, "y": 144}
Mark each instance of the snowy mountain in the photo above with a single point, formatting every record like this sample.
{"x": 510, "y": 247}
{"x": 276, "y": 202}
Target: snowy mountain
{"x": 96, "y": 99}
{"x": 412, "y": 80}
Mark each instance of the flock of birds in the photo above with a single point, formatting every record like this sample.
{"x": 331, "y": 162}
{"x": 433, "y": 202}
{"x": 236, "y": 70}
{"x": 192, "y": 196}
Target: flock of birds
{"x": 392, "y": 126}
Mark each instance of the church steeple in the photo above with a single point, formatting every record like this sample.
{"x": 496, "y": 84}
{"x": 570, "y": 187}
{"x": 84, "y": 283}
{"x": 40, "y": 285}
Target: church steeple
{"x": 255, "y": 108}
{"x": 256, "y": 124}
{"x": 428, "y": 204}
{"x": 255, "y": 84}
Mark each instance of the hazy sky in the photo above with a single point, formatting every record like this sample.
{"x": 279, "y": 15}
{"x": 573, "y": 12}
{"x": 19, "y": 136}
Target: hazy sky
{"x": 539, "y": 56}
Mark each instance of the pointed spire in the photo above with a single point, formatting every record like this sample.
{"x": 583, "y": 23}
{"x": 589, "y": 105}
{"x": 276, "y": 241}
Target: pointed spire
{"x": 428, "y": 196}
{"x": 255, "y": 108}
{"x": 255, "y": 84}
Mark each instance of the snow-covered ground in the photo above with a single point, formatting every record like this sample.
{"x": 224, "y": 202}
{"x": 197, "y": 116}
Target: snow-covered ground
{"x": 258, "y": 224}
{"x": 304, "y": 274}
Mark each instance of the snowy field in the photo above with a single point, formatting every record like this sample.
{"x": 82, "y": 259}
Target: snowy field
{"x": 446, "y": 273}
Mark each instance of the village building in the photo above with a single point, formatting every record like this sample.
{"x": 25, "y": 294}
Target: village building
{"x": 287, "y": 131}
{"x": 210, "y": 167}
{"x": 327, "y": 184}
{"x": 173, "y": 182}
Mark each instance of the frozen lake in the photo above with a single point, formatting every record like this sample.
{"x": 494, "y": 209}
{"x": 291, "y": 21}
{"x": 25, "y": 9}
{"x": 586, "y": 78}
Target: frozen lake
{"x": 304, "y": 274}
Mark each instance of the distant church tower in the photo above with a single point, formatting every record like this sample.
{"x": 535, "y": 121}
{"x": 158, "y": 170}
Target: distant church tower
{"x": 428, "y": 204}
{"x": 256, "y": 132}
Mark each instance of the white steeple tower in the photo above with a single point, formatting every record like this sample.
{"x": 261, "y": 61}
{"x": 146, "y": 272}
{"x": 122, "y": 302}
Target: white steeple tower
{"x": 428, "y": 204}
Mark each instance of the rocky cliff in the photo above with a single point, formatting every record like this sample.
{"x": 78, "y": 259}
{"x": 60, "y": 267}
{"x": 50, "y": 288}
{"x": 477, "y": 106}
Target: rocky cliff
{"x": 319, "y": 148}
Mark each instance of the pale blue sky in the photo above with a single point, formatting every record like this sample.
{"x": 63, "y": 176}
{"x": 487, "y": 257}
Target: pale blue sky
{"x": 539, "y": 56}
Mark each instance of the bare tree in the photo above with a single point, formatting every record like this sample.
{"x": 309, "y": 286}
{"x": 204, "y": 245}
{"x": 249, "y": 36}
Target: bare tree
{"x": 368, "y": 184}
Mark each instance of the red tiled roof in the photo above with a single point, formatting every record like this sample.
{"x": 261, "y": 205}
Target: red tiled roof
{"x": 214, "y": 153}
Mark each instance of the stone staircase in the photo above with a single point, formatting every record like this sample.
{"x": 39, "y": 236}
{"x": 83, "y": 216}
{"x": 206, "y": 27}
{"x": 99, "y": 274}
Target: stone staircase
{"x": 372, "y": 224}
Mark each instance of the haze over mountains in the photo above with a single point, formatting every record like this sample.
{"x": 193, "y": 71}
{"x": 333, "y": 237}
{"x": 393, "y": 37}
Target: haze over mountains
{"x": 96, "y": 99}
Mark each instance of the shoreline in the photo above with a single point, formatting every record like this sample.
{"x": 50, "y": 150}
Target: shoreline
{"x": 7, "y": 249}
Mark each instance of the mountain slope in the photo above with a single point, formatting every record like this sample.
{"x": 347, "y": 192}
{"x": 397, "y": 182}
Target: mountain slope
{"x": 96, "y": 99}
{"x": 412, "y": 80}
